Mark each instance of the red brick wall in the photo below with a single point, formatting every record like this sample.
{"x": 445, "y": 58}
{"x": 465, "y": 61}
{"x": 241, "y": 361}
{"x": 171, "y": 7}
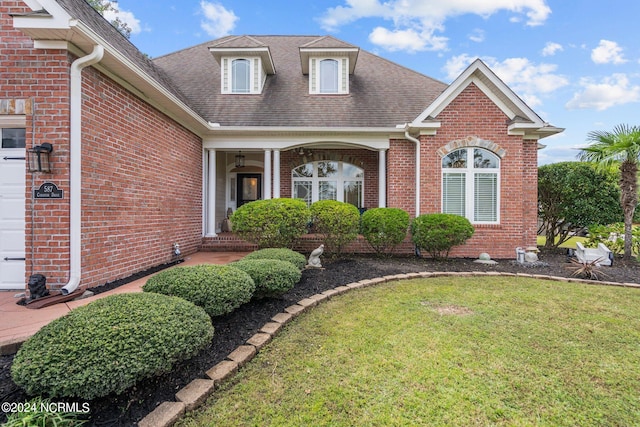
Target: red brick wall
{"x": 472, "y": 113}
{"x": 401, "y": 179}
{"x": 142, "y": 183}
{"x": 141, "y": 180}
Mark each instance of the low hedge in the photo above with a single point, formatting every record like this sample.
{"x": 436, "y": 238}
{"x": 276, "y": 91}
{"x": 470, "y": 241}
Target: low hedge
{"x": 338, "y": 222}
{"x": 384, "y": 228}
{"x": 438, "y": 233}
{"x": 283, "y": 254}
{"x": 271, "y": 223}
{"x": 109, "y": 345}
{"x": 219, "y": 289}
{"x": 271, "y": 276}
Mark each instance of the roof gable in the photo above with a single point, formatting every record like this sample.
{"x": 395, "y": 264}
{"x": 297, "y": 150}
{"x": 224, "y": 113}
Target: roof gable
{"x": 328, "y": 46}
{"x": 523, "y": 120}
{"x": 243, "y": 46}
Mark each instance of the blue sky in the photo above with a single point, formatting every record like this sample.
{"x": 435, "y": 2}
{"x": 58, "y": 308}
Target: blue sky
{"x": 576, "y": 63}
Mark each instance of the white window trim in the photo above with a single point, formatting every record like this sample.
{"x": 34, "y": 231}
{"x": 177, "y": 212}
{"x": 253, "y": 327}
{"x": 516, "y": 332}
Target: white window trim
{"x": 257, "y": 76}
{"x": 314, "y": 75}
{"x": 469, "y": 171}
{"x": 339, "y": 178}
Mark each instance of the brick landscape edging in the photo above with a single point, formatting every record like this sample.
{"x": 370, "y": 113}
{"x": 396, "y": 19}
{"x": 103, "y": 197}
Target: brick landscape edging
{"x": 168, "y": 413}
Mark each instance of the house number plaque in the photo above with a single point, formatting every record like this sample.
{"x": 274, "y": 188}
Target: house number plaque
{"x": 48, "y": 190}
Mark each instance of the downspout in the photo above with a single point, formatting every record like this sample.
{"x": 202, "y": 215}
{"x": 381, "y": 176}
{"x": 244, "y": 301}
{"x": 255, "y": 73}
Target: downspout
{"x": 75, "y": 167}
{"x": 417, "y": 142}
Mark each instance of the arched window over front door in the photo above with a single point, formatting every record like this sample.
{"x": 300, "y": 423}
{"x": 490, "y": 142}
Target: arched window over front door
{"x": 471, "y": 185}
{"x": 328, "y": 180}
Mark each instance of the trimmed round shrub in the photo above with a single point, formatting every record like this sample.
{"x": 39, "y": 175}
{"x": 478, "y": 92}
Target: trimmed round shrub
{"x": 438, "y": 233}
{"x": 271, "y": 223}
{"x": 338, "y": 222}
{"x": 109, "y": 345}
{"x": 283, "y": 254}
{"x": 271, "y": 276}
{"x": 384, "y": 228}
{"x": 219, "y": 289}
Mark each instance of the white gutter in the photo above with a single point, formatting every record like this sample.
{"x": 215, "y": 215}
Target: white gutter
{"x": 75, "y": 166}
{"x": 417, "y": 142}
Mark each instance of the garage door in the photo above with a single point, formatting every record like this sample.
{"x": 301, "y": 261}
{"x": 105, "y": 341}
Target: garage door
{"x": 12, "y": 204}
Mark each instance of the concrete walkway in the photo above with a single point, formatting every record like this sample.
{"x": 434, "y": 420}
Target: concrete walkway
{"x": 19, "y": 323}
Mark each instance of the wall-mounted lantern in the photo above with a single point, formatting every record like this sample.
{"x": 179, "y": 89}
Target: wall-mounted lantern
{"x": 239, "y": 160}
{"x": 38, "y": 158}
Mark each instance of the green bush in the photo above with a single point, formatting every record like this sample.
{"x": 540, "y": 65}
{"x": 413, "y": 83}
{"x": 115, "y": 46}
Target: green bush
{"x": 284, "y": 254}
{"x": 271, "y": 276}
{"x": 615, "y": 232}
{"x": 384, "y": 228}
{"x": 271, "y": 223}
{"x": 438, "y": 233}
{"x": 219, "y": 289}
{"x": 573, "y": 196}
{"x": 338, "y": 222}
{"x": 109, "y": 345}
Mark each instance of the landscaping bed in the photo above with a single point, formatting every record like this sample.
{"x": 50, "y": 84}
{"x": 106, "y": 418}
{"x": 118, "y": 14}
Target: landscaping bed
{"x": 235, "y": 328}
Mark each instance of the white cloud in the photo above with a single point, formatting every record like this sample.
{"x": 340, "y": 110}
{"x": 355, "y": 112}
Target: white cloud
{"x": 418, "y": 24}
{"x": 126, "y": 17}
{"x": 406, "y": 40}
{"x": 611, "y": 91}
{"x": 219, "y": 22}
{"x": 528, "y": 80}
{"x": 551, "y": 49}
{"x": 477, "y": 35}
{"x": 608, "y": 52}
{"x": 457, "y": 64}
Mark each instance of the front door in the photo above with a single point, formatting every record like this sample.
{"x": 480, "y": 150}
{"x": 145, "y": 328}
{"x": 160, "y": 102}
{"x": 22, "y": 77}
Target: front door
{"x": 12, "y": 209}
{"x": 249, "y": 188}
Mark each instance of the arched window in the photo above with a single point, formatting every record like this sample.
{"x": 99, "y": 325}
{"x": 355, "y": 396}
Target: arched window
{"x": 328, "y": 76}
{"x": 328, "y": 180}
{"x": 241, "y": 76}
{"x": 471, "y": 185}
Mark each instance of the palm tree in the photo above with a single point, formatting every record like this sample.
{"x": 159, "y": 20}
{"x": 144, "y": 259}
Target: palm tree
{"x": 620, "y": 147}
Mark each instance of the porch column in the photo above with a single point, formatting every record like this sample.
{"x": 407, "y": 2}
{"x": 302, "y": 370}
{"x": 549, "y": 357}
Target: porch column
{"x": 276, "y": 174}
{"x": 267, "y": 174}
{"x": 382, "y": 178}
{"x": 211, "y": 195}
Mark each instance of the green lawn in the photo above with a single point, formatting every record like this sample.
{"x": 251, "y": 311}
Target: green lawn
{"x": 446, "y": 351}
{"x": 570, "y": 244}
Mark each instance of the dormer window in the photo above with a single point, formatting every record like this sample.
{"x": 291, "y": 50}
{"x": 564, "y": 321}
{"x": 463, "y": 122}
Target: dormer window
{"x": 329, "y": 75}
{"x": 328, "y": 63}
{"x": 240, "y": 76}
{"x": 245, "y": 64}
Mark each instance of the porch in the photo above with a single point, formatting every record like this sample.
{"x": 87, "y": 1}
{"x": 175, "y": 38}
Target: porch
{"x": 344, "y": 172}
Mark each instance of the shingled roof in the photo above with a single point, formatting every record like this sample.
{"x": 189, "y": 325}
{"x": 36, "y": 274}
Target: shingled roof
{"x": 381, "y": 93}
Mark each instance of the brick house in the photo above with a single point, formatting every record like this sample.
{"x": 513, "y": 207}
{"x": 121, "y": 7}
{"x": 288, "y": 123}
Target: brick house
{"x": 148, "y": 153}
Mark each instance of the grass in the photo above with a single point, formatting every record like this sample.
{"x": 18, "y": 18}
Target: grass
{"x": 446, "y": 351}
{"x": 569, "y": 244}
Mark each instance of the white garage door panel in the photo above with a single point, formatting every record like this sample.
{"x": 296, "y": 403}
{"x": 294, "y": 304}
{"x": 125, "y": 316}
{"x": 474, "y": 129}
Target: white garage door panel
{"x": 12, "y": 209}
{"x": 12, "y": 225}
{"x": 12, "y": 243}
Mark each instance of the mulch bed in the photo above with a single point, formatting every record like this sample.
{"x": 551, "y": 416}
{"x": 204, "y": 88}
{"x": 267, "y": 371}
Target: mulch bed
{"x": 235, "y": 328}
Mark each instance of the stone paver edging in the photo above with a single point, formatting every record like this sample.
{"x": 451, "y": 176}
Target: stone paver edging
{"x": 197, "y": 391}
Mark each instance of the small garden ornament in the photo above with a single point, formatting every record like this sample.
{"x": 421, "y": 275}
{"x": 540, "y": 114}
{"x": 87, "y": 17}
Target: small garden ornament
{"x": 314, "y": 258}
